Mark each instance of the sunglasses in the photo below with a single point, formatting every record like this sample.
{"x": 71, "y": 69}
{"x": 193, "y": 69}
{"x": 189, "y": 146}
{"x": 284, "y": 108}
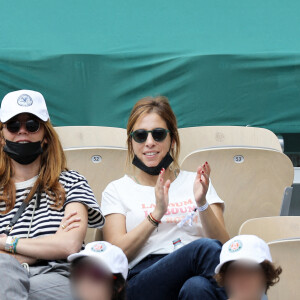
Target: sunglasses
{"x": 141, "y": 135}
{"x": 91, "y": 272}
{"x": 31, "y": 125}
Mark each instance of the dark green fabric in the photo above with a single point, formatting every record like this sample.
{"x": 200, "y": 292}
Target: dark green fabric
{"x": 219, "y": 62}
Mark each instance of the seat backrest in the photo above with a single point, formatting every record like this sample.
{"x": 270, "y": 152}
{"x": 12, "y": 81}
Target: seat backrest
{"x": 285, "y": 253}
{"x": 91, "y": 136}
{"x": 100, "y": 166}
{"x": 196, "y": 138}
{"x": 273, "y": 228}
{"x": 286, "y": 201}
{"x": 294, "y": 209}
{"x": 251, "y": 181}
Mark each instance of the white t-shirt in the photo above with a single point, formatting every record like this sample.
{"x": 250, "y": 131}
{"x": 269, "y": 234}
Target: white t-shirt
{"x": 135, "y": 201}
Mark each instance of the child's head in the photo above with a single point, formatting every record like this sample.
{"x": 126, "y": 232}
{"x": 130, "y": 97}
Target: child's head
{"x": 99, "y": 272}
{"x": 246, "y": 270}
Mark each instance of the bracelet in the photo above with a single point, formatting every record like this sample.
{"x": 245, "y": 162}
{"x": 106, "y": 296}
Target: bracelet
{"x": 203, "y": 207}
{"x": 151, "y": 221}
{"x": 151, "y": 216}
{"x": 155, "y": 224}
{"x": 15, "y": 245}
{"x": 11, "y": 244}
{"x": 8, "y": 243}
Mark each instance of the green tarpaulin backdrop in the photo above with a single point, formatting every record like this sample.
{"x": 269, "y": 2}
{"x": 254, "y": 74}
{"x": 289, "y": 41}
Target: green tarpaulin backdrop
{"x": 219, "y": 62}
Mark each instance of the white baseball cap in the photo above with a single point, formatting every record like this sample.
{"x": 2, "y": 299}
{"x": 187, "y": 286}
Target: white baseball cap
{"x": 23, "y": 101}
{"x": 111, "y": 257}
{"x": 244, "y": 247}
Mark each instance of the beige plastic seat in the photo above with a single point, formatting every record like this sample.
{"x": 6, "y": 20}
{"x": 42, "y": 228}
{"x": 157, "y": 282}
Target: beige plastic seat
{"x": 91, "y": 136}
{"x": 273, "y": 228}
{"x": 100, "y": 166}
{"x": 196, "y": 138}
{"x": 251, "y": 181}
{"x": 285, "y": 253}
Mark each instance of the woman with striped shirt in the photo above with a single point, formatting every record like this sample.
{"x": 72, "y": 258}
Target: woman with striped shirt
{"x": 45, "y": 209}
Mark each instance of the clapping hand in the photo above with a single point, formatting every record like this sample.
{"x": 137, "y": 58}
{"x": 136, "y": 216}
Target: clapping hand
{"x": 201, "y": 184}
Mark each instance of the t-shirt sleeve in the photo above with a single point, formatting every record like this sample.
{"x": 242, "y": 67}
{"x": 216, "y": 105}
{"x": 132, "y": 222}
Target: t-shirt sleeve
{"x": 81, "y": 192}
{"x": 212, "y": 197}
{"x": 111, "y": 202}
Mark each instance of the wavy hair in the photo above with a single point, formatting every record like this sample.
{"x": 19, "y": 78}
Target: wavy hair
{"x": 53, "y": 162}
{"x": 161, "y": 106}
{"x": 271, "y": 273}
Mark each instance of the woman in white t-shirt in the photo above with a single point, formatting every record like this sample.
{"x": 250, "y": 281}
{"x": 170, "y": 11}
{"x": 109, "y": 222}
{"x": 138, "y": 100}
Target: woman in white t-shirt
{"x": 158, "y": 204}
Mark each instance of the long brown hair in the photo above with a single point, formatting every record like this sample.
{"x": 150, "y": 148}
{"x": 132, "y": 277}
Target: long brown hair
{"x": 161, "y": 106}
{"x": 53, "y": 162}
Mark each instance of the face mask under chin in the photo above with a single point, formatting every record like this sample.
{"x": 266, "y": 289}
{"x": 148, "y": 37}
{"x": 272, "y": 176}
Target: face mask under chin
{"x": 23, "y": 154}
{"x": 165, "y": 163}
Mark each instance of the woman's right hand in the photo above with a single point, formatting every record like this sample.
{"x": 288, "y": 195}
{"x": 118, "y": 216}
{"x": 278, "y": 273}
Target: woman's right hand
{"x": 161, "y": 195}
{"x": 69, "y": 222}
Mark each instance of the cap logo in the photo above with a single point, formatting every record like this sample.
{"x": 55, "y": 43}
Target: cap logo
{"x": 99, "y": 247}
{"x": 24, "y": 100}
{"x": 235, "y": 246}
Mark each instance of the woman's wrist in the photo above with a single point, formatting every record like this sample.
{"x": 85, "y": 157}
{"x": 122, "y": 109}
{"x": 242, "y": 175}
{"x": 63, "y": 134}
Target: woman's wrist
{"x": 157, "y": 216}
{"x": 201, "y": 202}
{"x": 153, "y": 221}
{"x": 2, "y": 243}
{"x": 202, "y": 207}
{"x": 11, "y": 244}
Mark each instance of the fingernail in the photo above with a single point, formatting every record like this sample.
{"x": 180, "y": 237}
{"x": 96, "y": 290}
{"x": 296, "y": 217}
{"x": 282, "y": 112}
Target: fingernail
{"x": 202, "y": 172}
{"x": 200, "y": 180}
{"x": 206, "y": 163}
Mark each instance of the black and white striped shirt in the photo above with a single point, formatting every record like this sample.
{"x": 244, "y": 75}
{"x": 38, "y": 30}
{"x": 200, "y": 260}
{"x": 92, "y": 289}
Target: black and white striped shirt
{"x": 45, "y": 219}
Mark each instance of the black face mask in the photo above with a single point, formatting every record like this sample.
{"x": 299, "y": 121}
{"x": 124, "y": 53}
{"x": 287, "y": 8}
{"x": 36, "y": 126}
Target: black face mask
{"x": 23, "y": 154}
{"x": 165, "y": 162}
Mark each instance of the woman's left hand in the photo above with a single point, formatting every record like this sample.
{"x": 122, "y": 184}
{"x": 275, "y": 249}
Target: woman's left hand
{"x": 201, "y": 184}
{"x": 69, "y": 222}
{"x": 3, "y": 238}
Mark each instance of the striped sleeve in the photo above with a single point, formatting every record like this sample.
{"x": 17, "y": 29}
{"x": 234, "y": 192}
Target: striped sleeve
{"x": 78, "y": 190}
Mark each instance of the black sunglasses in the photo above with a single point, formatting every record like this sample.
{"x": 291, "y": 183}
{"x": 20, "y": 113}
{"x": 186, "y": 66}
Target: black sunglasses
{"x": 141, "y": 135}
{"x": 31, "y": 125}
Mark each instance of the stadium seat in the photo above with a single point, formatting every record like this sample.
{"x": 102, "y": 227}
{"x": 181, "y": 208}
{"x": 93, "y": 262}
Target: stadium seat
{"x": 196, "y": 138}
{"x": 100, "y": 166}
{"x": 273, "y": 228}
{"x": 285, "y": 253}
{"x": 251, "y": 181}
{"x": 294, "y": 209}
{"x": 91, "y": 136}
{"x": 286, "y": 201}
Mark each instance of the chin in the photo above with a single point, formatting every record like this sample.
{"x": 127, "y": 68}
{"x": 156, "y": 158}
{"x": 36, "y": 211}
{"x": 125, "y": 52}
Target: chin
{"x": 152, "y": 164}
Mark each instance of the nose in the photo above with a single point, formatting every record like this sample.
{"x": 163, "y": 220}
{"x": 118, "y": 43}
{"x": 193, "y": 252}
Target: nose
{"x": 23, "y": 129}
{"x": 150, "y": 141}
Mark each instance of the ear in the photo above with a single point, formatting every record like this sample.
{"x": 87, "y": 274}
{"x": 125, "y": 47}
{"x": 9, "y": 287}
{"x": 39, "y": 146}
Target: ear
{"x": 172, "y": 144}
{"x": 2, "y": 139}
{"x": 44, "y": 143}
